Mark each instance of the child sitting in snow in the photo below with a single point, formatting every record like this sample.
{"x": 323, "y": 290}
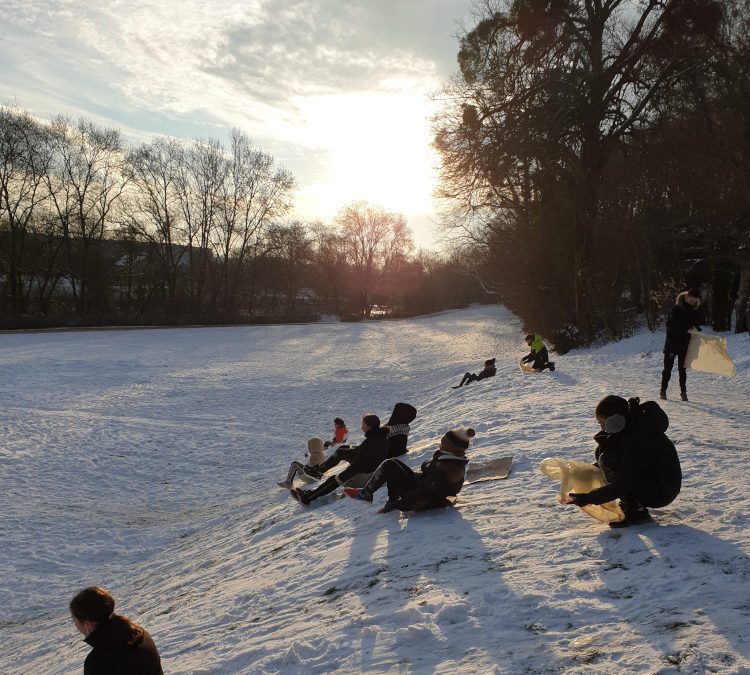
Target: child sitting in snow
{"x": 316, "y": 456}
{"x": 639, "y": 462}
{"x": 340, "y": 433}
{"x": 440, "y": 477}
{"x": 538, "y": 356}
{"x": 363, "y": 460}
{"x": 489, "y": 370}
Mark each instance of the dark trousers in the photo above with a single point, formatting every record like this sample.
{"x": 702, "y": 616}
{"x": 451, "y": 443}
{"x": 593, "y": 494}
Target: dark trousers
{"x": 345, "y": 454}
{"x": 468, "y": 378}
{"x": 399, "y": 477}
{"x": 326, "y": 487}
{"x": 666, "y": 374}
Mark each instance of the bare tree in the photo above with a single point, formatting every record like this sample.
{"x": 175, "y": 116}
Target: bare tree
{"x": 254, "y": 192}
{"x": 24, "y": 161}
{"x": 374, "y": 240}
{"x": 154, "y": 206}
{"x": 87, "y": 176}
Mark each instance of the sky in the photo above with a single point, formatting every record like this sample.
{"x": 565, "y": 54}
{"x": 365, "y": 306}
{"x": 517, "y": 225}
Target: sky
{"x": 337, "y": 90}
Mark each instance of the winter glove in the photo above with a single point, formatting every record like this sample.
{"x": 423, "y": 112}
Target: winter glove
{"x": 580, "y": 499}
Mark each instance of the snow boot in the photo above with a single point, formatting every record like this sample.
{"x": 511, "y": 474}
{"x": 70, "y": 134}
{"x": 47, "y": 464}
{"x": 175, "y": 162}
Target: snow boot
{"x": 284, "y": 484}
{"x": 662, "y": 395}
{"x": 552, "y": 366}
{"x": 300, "y": 496}
{"x": 359, "y": 493}
{"x": 683, "y": 395}
{"x": 634, "y": 514}
{"x": 387, "y": 507}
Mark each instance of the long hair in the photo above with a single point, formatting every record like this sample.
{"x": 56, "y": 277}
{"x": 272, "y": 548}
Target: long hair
{"x": 96, "y": 605}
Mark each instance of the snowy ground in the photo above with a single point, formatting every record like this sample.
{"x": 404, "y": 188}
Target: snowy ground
{"x": 146, "y": 461}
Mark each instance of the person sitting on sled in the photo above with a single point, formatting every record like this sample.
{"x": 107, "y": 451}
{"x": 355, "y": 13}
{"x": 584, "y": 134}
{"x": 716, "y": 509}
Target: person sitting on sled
{"x": 340, "y": 433}
{"x": 316, "y": 456}
{"x": 398, "y": 428}
{"x": 363, "y": 460}
{"x": 639, "y": 462}
{"x": 439, "y": 478}
{"x": 489, "y": 370}
{"x": 538, "y": 356}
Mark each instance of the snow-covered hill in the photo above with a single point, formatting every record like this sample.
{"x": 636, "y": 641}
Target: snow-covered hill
{"x": 146, "y": 461}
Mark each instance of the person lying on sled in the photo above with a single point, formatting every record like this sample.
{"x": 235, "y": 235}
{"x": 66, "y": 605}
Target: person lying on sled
{"x": 639, "y": 462}
{"x": 363, "y": 460}
{"x": 489, "y": 370}
{"x": 439, "y": 478}
{"x": 538, "y": 356}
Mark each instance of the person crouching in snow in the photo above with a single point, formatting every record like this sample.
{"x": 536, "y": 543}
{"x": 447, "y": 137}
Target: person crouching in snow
{"x": 340, "y": 433}
{"x": 363, "y": 460}
{"x": 316, "y": 456}
{"x": 440, "y": 477}
{"x": 489, "y": 370}
{"x": 639, "y": 462}
{"x": 538, "y": 356}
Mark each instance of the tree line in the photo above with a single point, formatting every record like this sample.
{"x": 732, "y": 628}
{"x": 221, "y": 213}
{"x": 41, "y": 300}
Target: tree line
{"x": 596, "y": 159}
{"x": 93, "y": 231}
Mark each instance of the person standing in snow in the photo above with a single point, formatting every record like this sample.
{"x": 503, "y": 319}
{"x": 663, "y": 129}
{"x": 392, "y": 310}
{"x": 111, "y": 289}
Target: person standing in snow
{"x": 340, "y": 433}
{"x": 489, "y": 370}
{"x": 682, "y": 318}
{"x": 639, "y": 462}
{"x": 119, "y": 647}
{"x": 398, "y": 428}
{"x": 316, "y": 456}
{"x": 538, "y": 356}
{"x": 363, "y": 460}
{"x": 439, "y": 478}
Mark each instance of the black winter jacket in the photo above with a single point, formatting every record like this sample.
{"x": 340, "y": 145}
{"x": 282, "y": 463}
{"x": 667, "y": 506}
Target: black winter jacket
{"x": 640, "y": 462}
{"x": 681, "y": 319}
{"x": 119, "y": 650}
{"x": 441, "y": 477}
{"x": 370, "y": 453}
{"x": 398, "y": 428}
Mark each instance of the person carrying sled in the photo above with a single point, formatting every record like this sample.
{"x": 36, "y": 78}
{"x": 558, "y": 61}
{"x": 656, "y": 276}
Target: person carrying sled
{"x": 439, "y": 478}
{"x": 119, "y": 646}
{"x": 489, "y": 370}
{"x": 363, "y": 460}
{"x": 639, "y": 462}
{"x": 340, "y": 433}
{"x": 316, "y": 456}
{"x": 682, "y": 318}
{"x": 538, "y": 357}
{"x": 398, "y": 428}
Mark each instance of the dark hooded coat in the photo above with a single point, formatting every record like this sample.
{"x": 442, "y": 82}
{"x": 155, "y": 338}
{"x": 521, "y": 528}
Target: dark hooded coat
{"x": 639, "y": 463}
{"x": 121, "y": 648}
{"x": 681, "y": 319}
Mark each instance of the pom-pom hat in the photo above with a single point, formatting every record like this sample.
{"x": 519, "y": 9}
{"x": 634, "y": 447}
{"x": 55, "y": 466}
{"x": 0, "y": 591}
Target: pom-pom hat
{"x": 457, "y": 440}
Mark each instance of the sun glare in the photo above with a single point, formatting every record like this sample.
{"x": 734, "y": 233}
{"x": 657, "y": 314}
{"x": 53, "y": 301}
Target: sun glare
{"x": 378, "y": 147}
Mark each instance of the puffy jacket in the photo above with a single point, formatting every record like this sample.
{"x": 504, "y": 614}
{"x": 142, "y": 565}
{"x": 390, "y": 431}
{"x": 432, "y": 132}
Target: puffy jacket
{"x": 441, "y": 477}
{"x": 640, "y": 462}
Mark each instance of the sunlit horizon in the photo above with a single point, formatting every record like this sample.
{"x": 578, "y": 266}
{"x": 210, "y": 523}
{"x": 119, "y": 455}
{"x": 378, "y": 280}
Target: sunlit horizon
{"x": 339, "y": 95}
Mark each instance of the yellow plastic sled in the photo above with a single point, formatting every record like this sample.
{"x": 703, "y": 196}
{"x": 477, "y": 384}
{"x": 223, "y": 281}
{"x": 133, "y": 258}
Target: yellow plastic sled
{"x": 581, "y": 477}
